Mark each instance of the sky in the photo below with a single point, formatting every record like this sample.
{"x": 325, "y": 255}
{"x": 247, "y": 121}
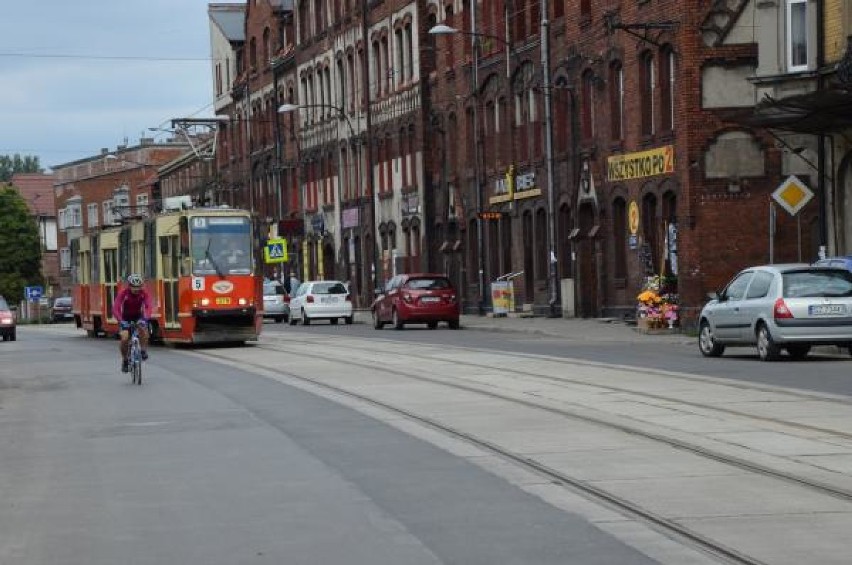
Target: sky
{"x": 78, "y": 76}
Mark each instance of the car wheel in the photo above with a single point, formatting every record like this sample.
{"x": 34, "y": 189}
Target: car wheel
{"x": 293, "y": 320}
{"x": 454, "y": 324}
{"x": 305, "y": 320}
{"x": 398, "y": 324}
{"x": 333, "y": 321}
{"x": 432, "y": 325}
{"x": 13, "y": 336}
{"x": 766, "y": 348}
{"x": 707, "y": 343}
{"x": 279, "y": 319}
{"x": 377, "y": 322}
{"x": 798, "y": 352}
{"x": 349, "y": 320}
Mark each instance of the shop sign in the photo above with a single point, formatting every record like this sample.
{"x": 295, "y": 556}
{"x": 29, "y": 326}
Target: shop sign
{"x": 650, "y": 163}
{"x": 513, "y": 187}
{"x": 291, "y": 227}
{"x": 351, "y": 217}
{"x": 410, "y": 204}
{"x": 633, "y": 217}
{"x": 490, "y": 215}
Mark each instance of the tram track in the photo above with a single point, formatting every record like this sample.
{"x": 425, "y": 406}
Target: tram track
{"x": 626, "y": 507}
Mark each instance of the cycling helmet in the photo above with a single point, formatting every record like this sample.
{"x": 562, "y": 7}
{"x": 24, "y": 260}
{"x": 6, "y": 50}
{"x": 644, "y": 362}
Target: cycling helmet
{"x": 135, "y": 280}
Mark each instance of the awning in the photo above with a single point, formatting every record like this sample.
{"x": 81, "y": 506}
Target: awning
{"x": 823, "y": 111}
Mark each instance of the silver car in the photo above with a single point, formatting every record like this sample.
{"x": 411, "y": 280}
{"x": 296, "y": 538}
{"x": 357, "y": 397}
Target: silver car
{"x": 275, "y": 302}
{"x": 775, "y": 307}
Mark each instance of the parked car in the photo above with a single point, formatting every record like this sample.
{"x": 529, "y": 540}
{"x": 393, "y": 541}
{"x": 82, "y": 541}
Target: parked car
{"x": 775, "y": 307}
{"x": 276, "y": 303}
{"x": 417, "y": 298}
{"x": 61, "y": 310}
{"x": 8, "y": 325}
{"x": 321, "y": 300}
{"x": 844, "y": 262}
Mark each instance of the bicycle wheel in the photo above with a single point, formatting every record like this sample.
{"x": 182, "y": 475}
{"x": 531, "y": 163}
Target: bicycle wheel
{"x": 136, "y": 371}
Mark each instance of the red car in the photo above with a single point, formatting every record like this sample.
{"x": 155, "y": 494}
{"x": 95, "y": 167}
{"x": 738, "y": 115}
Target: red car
{"x": 419, "y": 298}
{"x": 8, "y": 325}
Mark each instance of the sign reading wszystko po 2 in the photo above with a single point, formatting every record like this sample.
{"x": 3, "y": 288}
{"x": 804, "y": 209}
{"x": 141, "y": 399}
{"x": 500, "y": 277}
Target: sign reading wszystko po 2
{"x": 650, "y": 163}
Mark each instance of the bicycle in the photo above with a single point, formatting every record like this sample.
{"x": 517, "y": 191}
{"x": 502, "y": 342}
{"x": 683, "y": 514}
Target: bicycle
{"x": 134, "y": 356}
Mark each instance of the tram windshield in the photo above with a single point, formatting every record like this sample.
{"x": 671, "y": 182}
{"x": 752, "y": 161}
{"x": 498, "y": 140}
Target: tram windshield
{"x": 221, "y": 245}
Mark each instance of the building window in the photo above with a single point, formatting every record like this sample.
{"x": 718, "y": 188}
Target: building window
{"x": 253, "y": 54}
{"x": 616, "y": 85}
{"x": 65, "y": 259}
{"x": 399, "y": 72}
{"x": 648, "y": 85}
{"x": 797, "y": 35}
{"x": 588, "y": 117}
{"x": 63, "y": 221}
{"x": 667, "y": 81}
{"x": 92, "y": 215}
{"x": 619, "y": 238}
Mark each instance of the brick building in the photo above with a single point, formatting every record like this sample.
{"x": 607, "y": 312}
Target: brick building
{"x": 104, "y": 189}
{"x": 659, "y": 166}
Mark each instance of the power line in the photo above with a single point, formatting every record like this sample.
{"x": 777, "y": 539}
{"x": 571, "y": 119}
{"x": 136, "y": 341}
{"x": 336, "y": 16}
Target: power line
{"x": 101, "y": 57}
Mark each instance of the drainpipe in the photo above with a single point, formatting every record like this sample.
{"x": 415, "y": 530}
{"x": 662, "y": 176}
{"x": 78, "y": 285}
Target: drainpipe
{"x": 821, "y": 160}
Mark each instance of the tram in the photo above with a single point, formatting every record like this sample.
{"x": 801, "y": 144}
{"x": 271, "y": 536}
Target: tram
{"x": 201, "y": 266}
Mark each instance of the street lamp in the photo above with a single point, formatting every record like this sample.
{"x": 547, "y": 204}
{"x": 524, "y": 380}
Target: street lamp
{"x": 443, "y": 29}
{"x": 288, "y": 107}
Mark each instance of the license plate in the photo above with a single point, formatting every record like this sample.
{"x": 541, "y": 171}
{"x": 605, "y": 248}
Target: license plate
{"x": 223, "y": 300}
{"x": 827, "y": 310}
{"x": 430, "y": 299}
{"x": 328, "y": 299}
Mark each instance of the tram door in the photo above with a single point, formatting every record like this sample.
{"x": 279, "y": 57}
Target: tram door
{"x": 170, "y": 260}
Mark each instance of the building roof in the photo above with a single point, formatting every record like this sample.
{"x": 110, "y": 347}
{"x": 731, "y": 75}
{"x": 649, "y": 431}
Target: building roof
{"x": 37, "y": 190}
{"x": 231, "y": 19}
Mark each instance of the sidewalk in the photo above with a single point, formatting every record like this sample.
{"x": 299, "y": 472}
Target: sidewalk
{"x": 576, "y": 329}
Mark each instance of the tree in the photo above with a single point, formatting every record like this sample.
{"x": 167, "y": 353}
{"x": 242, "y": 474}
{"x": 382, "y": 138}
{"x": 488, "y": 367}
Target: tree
{"x": 10, "y": 165}
{"x": 20, "y": 247}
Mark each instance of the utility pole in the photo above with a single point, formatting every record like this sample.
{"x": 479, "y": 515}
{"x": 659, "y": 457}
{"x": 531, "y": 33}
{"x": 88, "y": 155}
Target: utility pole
{"x": 368, "y": 148}
{"x": 553, "y": 291}
{"x": 480, "y": 239}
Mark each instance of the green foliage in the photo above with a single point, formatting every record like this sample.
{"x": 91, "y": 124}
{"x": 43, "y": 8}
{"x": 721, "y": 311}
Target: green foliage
{"x": 20, "y": 248}
{"x": 9, "y": 165}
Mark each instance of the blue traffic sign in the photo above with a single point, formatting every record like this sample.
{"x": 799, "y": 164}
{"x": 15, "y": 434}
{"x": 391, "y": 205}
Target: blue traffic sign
{"x": 275, "y": 251}
{"x": 33, "y": 293}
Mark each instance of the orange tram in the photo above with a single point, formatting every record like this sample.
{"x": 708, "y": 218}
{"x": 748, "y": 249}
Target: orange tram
{"x": 201, "y": 266}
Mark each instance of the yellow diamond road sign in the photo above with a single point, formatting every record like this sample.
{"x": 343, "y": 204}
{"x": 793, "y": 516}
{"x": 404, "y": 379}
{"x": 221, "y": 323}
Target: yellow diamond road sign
{"x": 792, "y": 195}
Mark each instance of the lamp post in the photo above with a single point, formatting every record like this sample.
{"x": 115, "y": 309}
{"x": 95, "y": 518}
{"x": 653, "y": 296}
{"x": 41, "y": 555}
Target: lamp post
{"x": 443, "y": 29}
{"x": 548, "y": 137}
{"x": 287, "y": 107}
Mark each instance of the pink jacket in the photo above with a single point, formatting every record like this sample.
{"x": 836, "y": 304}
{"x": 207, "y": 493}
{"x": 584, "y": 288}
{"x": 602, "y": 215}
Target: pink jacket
{"x": 125, "y": 297}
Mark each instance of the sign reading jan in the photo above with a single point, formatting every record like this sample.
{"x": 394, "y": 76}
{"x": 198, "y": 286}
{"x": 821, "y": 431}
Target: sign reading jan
{"x": 650, "y": 163}
{"x": 275, "y": 251}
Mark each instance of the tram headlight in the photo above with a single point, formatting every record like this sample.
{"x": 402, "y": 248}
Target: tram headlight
{"x": 205, "y": 302}
{"x": 243, "y": 301}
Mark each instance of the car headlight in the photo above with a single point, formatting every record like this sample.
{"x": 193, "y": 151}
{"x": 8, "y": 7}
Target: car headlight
{"x": 6, "y": 321}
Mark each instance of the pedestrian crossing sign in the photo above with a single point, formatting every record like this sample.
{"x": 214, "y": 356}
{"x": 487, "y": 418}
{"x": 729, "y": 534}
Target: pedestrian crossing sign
{"x": 275, "y": 251}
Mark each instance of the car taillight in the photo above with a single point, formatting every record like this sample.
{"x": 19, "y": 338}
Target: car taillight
{"x": 781, "y": 311}
{"x": 407, "y": 298}
{"x": 286, "y": 300}
{"x": 348, "y": 298}
{"x": 310, "y": 299}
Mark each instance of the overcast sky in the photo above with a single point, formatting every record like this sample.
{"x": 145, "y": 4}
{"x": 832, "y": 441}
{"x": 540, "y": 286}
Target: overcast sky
{"x": 76, "y": 76}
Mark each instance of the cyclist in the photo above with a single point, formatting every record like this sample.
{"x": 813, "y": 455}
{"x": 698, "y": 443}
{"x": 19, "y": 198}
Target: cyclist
{"x": 133, "y": 304}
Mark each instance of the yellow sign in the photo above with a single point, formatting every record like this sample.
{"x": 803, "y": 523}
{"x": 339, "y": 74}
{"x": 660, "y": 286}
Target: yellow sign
{"x": 650, "y": 163}
{"x": 633, "y": 217}
{"x": 275, "y": 251}
{"x": 792, "y": 195}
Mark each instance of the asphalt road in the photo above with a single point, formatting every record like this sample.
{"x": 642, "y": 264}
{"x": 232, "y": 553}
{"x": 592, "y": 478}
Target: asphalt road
{"x": 823, "y": 371}
{"x": 206, "y": 464}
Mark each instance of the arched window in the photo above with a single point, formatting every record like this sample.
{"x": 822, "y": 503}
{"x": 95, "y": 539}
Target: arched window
{"x": 541, "y": 262}
{"x": 588, "y": 116}
{"x": 667, "y": 83}
{"x": 648, "y": 90}
{"x": 651, "y": 229}
{"x": 267, "y": 47}
{"x": 253, "y": 53}
{"x": 616, "y": 100}
{"x": 619, "y": 238}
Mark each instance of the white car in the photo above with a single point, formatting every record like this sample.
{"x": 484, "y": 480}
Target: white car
{"x": 321, "y": 300}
